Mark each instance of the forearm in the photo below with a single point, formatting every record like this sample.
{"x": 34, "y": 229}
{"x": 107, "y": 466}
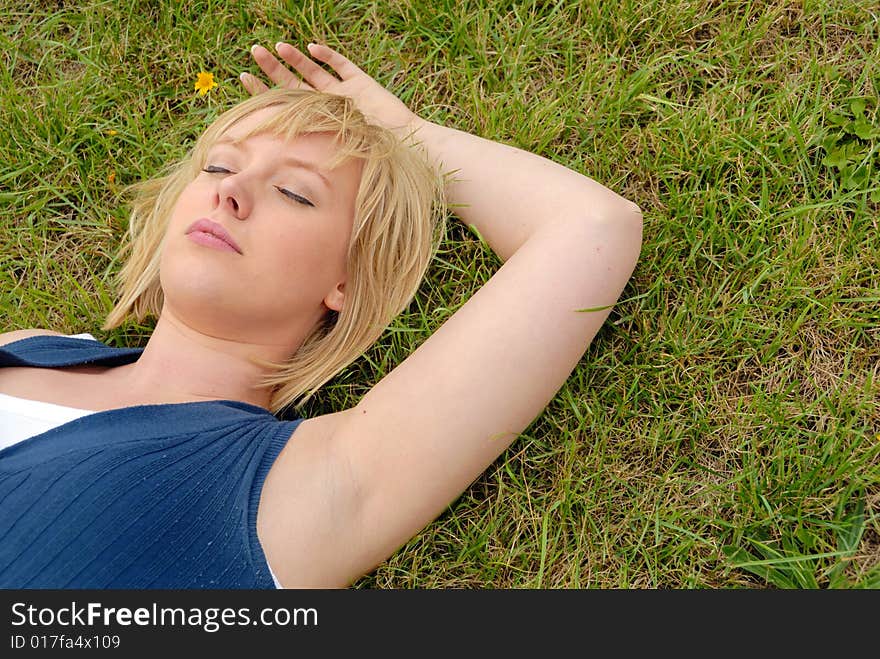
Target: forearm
{"x": 508, "y": 194}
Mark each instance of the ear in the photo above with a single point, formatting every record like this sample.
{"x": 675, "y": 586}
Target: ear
{"x": 334, "y": 299}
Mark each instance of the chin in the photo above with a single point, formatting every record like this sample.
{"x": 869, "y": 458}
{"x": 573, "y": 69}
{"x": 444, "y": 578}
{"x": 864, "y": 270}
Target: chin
{"x": 201, "y": 290}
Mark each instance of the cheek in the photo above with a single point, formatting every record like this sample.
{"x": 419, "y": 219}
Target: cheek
{"x": 192, "y": 196}
{"x": 320, "y": 245}
{"x": 299, "y": 257}
{"x": 183, "y": 214}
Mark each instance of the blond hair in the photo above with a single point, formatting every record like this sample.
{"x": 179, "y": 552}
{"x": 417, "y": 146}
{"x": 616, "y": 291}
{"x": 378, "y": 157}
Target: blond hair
{"x": 399, "y": 221}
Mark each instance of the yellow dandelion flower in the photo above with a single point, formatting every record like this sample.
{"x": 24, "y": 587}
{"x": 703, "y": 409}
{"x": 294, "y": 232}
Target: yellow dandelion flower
{"x": 111, "y": 178}
{"x": 112, "y": 132}
{"x": 205, "y": 83}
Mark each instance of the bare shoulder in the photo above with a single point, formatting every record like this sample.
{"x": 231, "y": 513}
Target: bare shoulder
{"x": 308, "y": 509}
{"x": 17, "y": 335}
{"x": 322, "y": 426}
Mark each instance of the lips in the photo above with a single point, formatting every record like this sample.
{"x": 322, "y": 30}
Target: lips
{"x": 206, "y": 226}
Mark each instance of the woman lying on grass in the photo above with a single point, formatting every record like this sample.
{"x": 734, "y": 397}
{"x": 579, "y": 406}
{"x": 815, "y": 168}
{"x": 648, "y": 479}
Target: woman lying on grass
{"x": 273, "y": 256}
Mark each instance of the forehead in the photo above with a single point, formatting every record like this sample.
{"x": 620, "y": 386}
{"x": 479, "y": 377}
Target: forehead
{"x": 256, "y": 129}
{"x": 250, "y": 123}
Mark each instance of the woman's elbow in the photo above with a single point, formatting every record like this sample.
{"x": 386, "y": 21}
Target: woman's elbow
{"x": 635, "y": 211}
{"x": 620, "y": 228}
{"x": 625, "y": 220}
{"x": 635, "y": 219}
{"x": 616, "y": 211}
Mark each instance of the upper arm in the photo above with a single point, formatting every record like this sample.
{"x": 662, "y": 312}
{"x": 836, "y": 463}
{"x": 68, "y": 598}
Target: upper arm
{"x": 16, "y": 335}
{"x": 432, "y": 425}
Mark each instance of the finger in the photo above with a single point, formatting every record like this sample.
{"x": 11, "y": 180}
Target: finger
{"x": 311, "y": 72}
{"x": 275, "y": 70}
{"x": 252, "y": 84}
{"x": 338, "y": 62}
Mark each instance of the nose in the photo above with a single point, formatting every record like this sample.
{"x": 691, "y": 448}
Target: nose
{"x": 233, "y": 196}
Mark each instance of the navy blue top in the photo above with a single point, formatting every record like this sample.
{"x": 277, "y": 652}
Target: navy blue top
{"x": 151, "y": 496}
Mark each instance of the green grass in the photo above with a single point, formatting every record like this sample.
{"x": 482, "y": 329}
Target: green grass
{"x": 723, "y": 430}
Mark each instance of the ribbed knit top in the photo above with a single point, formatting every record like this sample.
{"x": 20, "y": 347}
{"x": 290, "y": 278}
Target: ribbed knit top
{"x": 145, "y": 497}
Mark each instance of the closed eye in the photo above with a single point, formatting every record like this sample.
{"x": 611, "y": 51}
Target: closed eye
{"x": 292, "y": 195}
{"x": 214, "y": 169}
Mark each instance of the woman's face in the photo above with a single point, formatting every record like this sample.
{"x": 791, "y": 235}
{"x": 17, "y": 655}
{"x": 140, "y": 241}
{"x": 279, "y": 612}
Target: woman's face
{"x": 287, "y": 221}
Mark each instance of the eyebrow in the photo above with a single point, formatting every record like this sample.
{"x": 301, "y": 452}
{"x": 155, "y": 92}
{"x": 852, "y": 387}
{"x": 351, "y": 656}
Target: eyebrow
{"x": 289, "y": 161}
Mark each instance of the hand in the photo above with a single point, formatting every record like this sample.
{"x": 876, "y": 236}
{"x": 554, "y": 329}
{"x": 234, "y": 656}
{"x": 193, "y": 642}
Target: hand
{"x": 377, "y": 103}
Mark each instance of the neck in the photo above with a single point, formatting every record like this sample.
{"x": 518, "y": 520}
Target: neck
{"x": 180, "y": 364}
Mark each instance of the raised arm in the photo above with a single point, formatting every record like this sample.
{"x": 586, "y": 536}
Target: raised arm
{"x": 505, "y": 205}
{"x": 432, "y": 425}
